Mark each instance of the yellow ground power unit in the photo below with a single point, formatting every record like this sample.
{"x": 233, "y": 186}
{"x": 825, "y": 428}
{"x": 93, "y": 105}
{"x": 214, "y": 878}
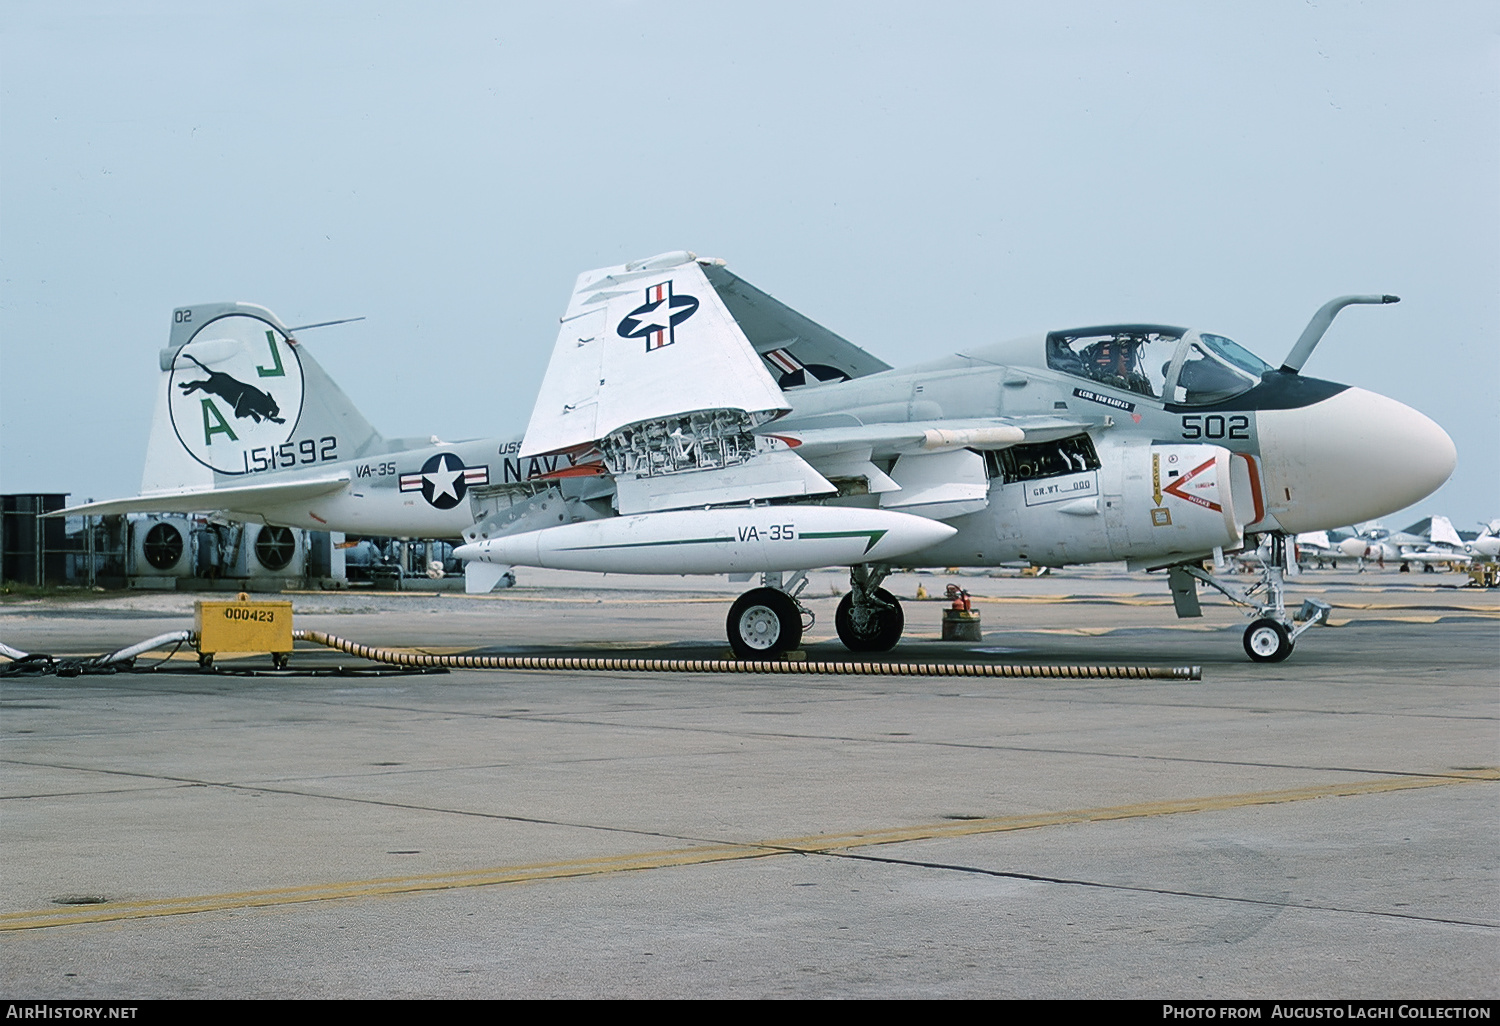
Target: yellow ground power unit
{"x": 243, "y": 625}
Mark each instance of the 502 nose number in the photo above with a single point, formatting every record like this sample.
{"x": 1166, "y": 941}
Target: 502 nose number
{"x": 1216, "y": 425}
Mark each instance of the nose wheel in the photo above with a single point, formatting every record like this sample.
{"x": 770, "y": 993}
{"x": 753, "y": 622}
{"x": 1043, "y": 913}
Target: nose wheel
{"x": 1266, "y": 641}
{"x": 1271, "y": 637}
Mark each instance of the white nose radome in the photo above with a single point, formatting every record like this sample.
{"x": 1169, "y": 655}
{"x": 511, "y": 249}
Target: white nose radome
{"x": 1354, "y": 456}
{"x": 1357, "y": 548}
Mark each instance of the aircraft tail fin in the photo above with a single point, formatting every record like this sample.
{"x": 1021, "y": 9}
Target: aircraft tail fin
{"x": 240, "y": 395}
{"x": 1442, "y": 531}
{"x": 797, "y": 350}
{"x": 1421, "y": 527}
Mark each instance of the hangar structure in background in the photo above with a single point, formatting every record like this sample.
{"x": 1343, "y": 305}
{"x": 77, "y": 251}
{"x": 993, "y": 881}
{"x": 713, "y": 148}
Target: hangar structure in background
{"x": 690, "y": 423}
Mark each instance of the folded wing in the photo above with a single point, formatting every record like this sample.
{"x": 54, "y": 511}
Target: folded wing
{"x": 651, "y": 368}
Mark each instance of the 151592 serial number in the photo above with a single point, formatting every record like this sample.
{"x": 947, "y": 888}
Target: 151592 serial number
{"x": 291, "y": 454}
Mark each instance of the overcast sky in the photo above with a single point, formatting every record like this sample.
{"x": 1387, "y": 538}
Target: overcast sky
{"x": 914, "y": 176}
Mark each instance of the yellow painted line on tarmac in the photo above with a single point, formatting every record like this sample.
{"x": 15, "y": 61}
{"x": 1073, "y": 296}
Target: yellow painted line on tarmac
{"x": 1050, "y": 600}
{"x": 452, "y": 650}
{"x": 117, "y": 910}
{"x": 1126, "y": 600}
{"x": 1429, "y": 619}
{"x": 1135, "y": 599}
{"x": 703, "y": 855}
{"x": 1141, "y": 599}
{"x": 684, "y": 600}
{"x": 1099, "y": 632}
{"x": 1095, "y": 632}
{"x": 1425, "y": 605}
{"x": 1426, "y": 609}
{"x": 1141, "y": 810}
{"x": 502, "y": 597}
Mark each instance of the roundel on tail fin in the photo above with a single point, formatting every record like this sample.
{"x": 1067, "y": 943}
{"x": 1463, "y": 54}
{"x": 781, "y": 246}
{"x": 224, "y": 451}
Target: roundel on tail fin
{"x": 235, "y": 393}
{"x": 811, "y": 374}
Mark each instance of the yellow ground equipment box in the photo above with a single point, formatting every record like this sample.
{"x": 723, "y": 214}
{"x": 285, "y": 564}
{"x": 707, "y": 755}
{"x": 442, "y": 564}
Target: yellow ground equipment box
{"x": 243, "y": 626}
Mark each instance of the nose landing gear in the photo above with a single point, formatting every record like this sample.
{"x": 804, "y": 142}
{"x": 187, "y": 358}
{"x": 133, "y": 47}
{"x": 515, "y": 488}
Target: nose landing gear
{"x": 1273, "y": 634}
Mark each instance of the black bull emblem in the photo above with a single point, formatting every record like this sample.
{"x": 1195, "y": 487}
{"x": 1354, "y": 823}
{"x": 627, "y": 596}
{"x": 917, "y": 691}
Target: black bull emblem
{"x": 246, "y": 400}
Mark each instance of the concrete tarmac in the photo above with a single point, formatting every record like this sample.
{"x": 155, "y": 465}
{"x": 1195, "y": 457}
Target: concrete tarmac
{"x": 1321, "y": 828}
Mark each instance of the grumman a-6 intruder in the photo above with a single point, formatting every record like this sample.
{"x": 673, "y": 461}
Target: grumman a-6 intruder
{"x": 689, "y": 423}
{"x": 1429, "y": 543}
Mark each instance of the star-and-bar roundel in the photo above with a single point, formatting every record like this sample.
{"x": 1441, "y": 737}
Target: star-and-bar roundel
{"x": 793, "y": 373}
{"x": 657, "y": 318}
{"x": 444, "y": 480}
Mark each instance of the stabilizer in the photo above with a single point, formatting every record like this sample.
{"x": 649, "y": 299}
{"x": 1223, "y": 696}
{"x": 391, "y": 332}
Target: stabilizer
{"x": 243, "y": 499}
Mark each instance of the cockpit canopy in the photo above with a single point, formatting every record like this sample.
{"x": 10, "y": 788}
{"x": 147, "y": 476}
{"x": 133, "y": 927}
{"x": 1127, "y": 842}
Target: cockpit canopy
{"x": 1172, "y": 365}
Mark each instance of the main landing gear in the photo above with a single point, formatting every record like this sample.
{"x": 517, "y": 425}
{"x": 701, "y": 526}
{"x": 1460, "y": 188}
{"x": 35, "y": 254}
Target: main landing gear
{"x": 1273, "y": 634}
{"x": 767, "y": 622}
{"x": 869, "y": 619}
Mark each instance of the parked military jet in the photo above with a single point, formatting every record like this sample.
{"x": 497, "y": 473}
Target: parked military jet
{"x": 689, "y": 423}
{"x": 1319, "y": 547}
{"x": 1429, "y": 543}
{"x": 1485, "y": 546}
{"x": 1309, "y": 548}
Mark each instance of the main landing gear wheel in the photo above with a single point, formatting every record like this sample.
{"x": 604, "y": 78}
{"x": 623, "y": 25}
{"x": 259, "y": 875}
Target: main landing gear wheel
{"x": 1266, "y": 641}
{"x": 763, "y": 624}
{"x": 873, "y": 629}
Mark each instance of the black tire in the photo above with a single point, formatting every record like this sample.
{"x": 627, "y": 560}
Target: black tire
{"x": 880, "y": 630}
{"x": 1266, "y": 641}
{"x": 763, "y": 624}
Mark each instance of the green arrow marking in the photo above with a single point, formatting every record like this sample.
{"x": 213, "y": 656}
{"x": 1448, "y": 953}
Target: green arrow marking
{"x": 647, "y": 545}
{"x": 874, "y": 536}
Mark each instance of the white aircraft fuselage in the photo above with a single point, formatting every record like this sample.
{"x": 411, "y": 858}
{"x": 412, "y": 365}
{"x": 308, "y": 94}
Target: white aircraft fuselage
{"x": 689, "y": 423}
{"x": 1308, "y": 454}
